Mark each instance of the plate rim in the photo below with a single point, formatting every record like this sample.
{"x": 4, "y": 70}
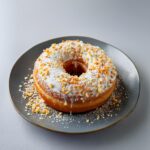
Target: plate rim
{"x": 68, "y": 132}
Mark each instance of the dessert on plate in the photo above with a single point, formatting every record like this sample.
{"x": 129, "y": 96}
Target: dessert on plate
{"x": 73, "y": 76}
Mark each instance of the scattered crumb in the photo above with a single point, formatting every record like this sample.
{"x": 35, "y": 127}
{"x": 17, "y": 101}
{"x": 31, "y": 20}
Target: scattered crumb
{"x": 98, "y": 117}
{"x": 34, "y": 102}
{"x": 35, "y": 105}
{"x": 87, "y": 120}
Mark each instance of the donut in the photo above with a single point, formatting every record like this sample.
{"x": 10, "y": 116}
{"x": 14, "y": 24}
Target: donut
{"x": 73, "y": 76}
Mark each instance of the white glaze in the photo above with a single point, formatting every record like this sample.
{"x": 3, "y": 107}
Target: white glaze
{"x": 90, "y": 84}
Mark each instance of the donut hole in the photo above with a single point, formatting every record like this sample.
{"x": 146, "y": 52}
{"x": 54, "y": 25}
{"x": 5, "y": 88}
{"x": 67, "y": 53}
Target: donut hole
{"x": 75, "y": 67}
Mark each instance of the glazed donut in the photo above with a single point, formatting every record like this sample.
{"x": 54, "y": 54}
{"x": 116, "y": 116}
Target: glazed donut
{"x": 73, "y": 76}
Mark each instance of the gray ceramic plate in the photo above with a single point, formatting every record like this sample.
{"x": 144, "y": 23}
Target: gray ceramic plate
{"x": 125, "y": 66}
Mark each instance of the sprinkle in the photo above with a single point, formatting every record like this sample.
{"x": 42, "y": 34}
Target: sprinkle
{"x": 20, "y": 86}
{"x": 87, "y": 95}
{"x": 65, "y": 103}
{"x": 28, "y": 114}
{"x": 51, "y": 86}
{"x": 98, "y": 117}
{"x": 99, "y": 89}
{"x": 87, "y": 120}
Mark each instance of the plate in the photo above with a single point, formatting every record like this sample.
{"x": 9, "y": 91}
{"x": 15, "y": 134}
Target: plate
{"x": 125, "y": 67}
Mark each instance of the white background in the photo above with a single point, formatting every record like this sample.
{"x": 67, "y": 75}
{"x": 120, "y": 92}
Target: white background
{"x": 123, "y": 23}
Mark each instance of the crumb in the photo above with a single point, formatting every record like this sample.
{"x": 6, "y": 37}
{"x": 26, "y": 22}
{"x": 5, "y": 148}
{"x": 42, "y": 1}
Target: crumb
{"x": 35, "y": 105}
{"x": 87, "y": 120}
{"x": 98, "y": 117}
{"x": 34, "y": 102}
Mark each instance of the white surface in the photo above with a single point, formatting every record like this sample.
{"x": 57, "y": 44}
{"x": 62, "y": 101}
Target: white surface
{"x": 123, "y": 23}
